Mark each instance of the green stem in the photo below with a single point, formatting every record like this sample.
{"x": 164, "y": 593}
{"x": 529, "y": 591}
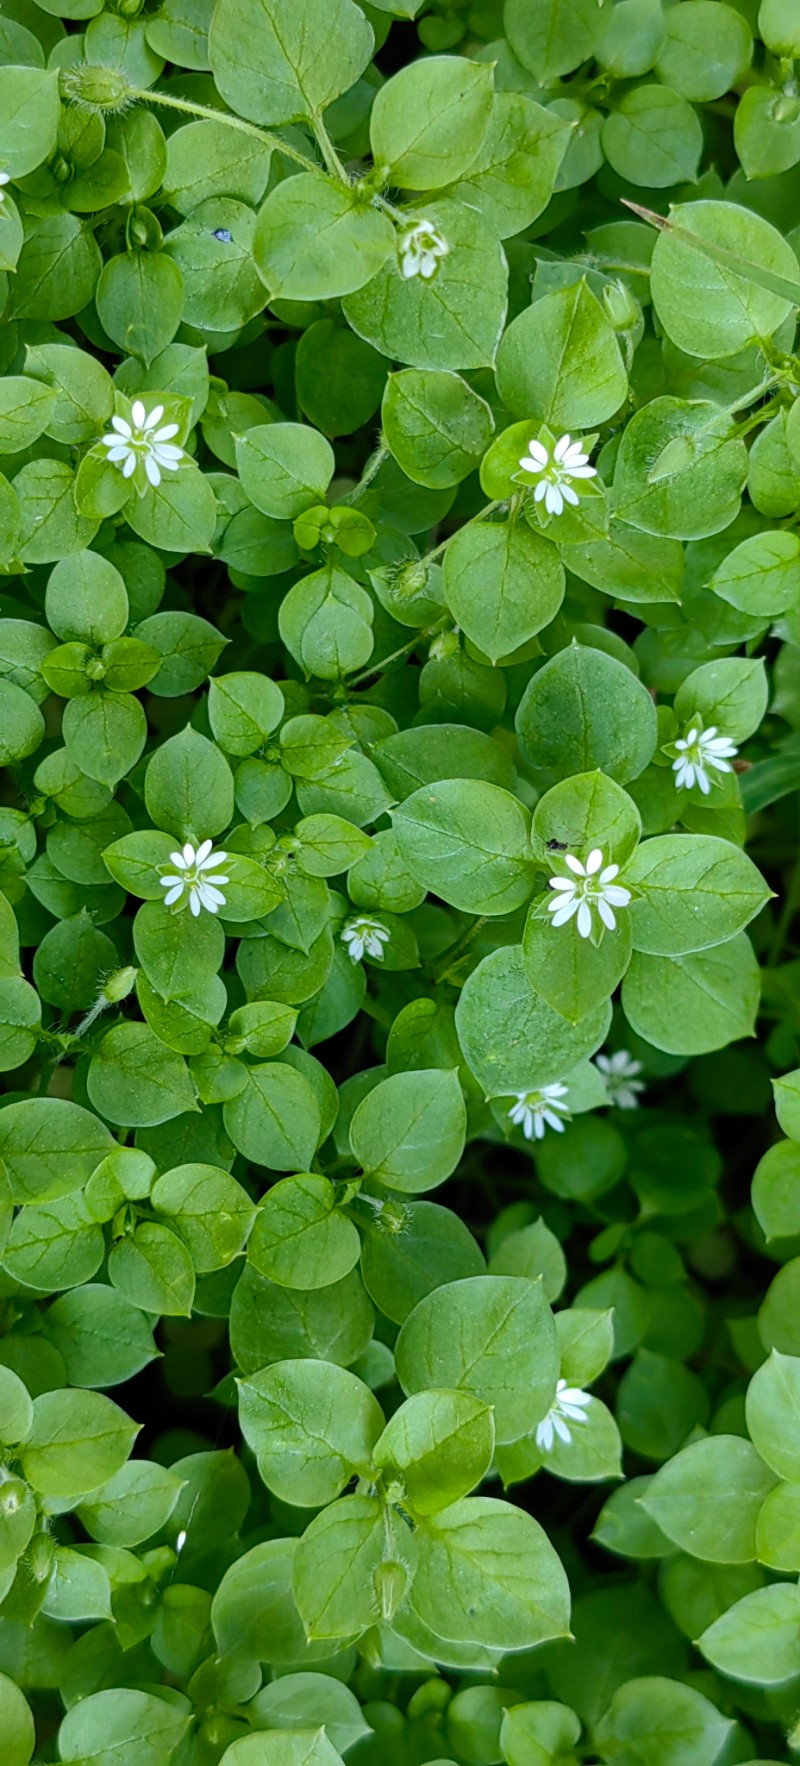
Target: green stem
{"x": 404, "y": 650}
{"x": 370, "y": 471}
{"x": 488, "y": 509}
{"x": 457, "y": 950}
{"x": 785, "y": 917}
{"x": 328, "y": 151}
{"x": 265, "y": 136}
{"x": 388, "y": 208}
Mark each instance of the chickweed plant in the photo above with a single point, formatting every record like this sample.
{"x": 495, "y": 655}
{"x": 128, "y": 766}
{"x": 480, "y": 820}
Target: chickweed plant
{"x": 399, "y": 880}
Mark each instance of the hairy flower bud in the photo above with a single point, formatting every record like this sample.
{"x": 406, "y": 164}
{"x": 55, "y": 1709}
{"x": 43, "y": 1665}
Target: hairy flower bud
{"x": 93, "y": 87}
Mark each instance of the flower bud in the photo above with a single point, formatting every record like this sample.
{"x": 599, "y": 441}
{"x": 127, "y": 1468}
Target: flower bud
{"x": 444, "y": 646}
{"x": 119, "y": 984}
{"x": 390, "y": 1582}
{"x": 622, "y": 307}
{"x": 104, "y": 89}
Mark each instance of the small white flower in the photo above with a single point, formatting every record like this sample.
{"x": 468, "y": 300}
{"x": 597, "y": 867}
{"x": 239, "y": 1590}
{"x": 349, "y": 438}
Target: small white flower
{"x": 536, "y": 1111}
{"x": 362, "y": 934}
{"x": 569, "y": 1406}
{"x": 5, "y": 178}
{"x": 194, "y": 882}
{"x": 555, "y": 474}
{"x": 700, "y": 749}
{"x": 420, "y": 250}
{"x": 141, "y": 439}
{"x": 620, "y": 1074}
{"x": 590, "y": 887}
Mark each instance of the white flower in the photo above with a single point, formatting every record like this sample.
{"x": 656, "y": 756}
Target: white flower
{"x": 362, "y": 934}
{"x": 5, "y": 178}
{"x": 569, "y": 1406}
{"x": 141, "y": 439}
{"x": 420, "y": 249}
{"x": 555, "y": 474}
{"x": 590, "y": 887}
{"x": 203, "y": 891}
{"x": 536, "y": 1111}
{"x": 700, "y": 749}
{"x": 619, "y": 1072}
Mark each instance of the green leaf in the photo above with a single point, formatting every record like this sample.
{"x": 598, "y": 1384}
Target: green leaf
{"x": 584, "y": 709}
{"x": 102, "y": 1339}
{"x": 325, "y": 622}
{"x": 208, "y": 159}
{"x": 513, "y": 1041}
{"x": 680, "y": 469}
{"x": 134, "y": 1080}
{"x": 312, "y": 1426}
{"x": 352, "y": 1561}
{"x": 436, "y": 426}
{"x": 503, "y": 584}
{"x": 243, "y": 709}
{"x": 653, "y": 137}
{"x": 25, "y": 409}
{"x": 468, "y": 842}
{"x": 154, "y": 1271}
{"x": 30, "y": 110}
{"x": 140, "y": 300}
{"x": 430, "y": 120}
{"x": 133, "y": 1505}
{"x": 689, "y": 1005}
{"x": 452, "y": 320}
{"x": 284, "y": 467}
{"x": 275, "y": 1119}
{"x": 277, "y": 61}
{"x": 440, "y": 1445}
{"x": 297, "y": 1701}
{"x": 16, "y": 1409}
{"x": 773, "y": 1413}
{"x": 99, "y": 1729}
{"x": 488, "y": 1573}
{"x": 757, "y": 1640}
{"x": 314, "y": 241}
{"x": 662, "y": 1722}
{"x": 76, "y": 1442}
{"x": 707, "y": 1498}
{"x": 691, "y": 892}
{"x": 721, "y": 276}
{"x": 490, "y": 1336}
{"x": 560, "y": 362}
{"x": 189, "y": 787}
{"x": 254, "y": 1612}
{"x": 551, "y": 37}
{"x": 208, "y": 1209}
{"x": 512, "y": 178}
{"x": 408, "y": 1133}
{"x": 300, "y": 1239}
{"x": 306, "y": 1747}
{"x": 434, "y": 1247}
{"x": 761, "y": 575}
{"x": 50, "y": 1147}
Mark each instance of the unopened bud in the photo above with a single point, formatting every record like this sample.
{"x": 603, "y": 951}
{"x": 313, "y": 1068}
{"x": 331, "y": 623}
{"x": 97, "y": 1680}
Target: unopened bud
{"x": 118, "y": 985}
{"x": 622, "y": 307}
{"x": 93, "y": 87}
{"x": 40, "y": 1557}
{"x": 390, "y": 1582}
{"x": 444, "y": 646}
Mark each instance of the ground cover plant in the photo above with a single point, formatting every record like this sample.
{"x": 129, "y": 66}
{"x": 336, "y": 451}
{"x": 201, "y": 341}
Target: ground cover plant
{"x": 399, "y": 967}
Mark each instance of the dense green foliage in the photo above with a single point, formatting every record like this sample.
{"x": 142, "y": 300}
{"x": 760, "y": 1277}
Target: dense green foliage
{"x": 400, "y": 724}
